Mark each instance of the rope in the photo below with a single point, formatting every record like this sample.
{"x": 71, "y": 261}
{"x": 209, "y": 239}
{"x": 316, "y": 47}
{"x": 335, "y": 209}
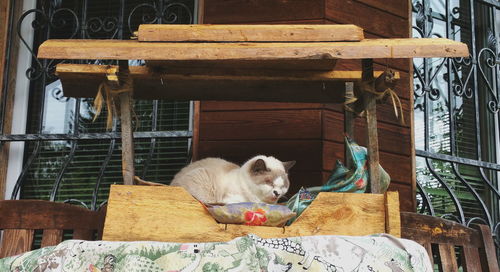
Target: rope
{"x": 380, "y": 88}
{"x": 109, "y": 95}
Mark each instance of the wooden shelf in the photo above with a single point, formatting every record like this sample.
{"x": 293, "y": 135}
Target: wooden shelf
{"x": 82, "y": 80}
{"x": 220, "y": 52}
{"x": 253, "y": 33}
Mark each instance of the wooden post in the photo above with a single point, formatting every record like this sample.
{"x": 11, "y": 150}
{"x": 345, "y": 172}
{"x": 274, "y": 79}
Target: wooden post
{"x": 127, "y": 136}
{"x": 349, "y": 120}
{"x": 371, "y": 120}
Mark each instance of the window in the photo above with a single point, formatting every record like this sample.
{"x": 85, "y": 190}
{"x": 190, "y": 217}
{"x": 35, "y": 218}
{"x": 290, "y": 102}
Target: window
{"x": 67, "y": 156}
{"x": 457, "y": 113}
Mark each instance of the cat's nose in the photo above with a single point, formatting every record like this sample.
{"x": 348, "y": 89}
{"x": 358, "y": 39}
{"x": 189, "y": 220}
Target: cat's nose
{"x": 276, "y": 193}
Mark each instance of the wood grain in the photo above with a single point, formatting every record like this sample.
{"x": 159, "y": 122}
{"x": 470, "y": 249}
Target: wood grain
{"x": 249, "y": 33}
{"x": 330, "y": 213}
{"x": 488, "y": 252}
{"x": 16, "y": 241}
{"x": 51, "y": 237}
{"x": 367, "y": 48}
{"x": 373, "y": 20}
{"x": 447, "y": 257}
{"x": 392, "y": 217}
{"x": 241, "y": 11}
{"x": 471, "y": 259}
{"x": 4, "y": 148}
{"x": 396, "y": 7}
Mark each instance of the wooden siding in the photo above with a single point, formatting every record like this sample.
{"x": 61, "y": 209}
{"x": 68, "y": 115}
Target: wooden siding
{"x": 312, "y": 133}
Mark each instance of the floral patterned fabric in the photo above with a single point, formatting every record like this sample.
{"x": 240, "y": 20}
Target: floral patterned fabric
{"x": 246, "y": 254}
{"x": 252, "y": 214}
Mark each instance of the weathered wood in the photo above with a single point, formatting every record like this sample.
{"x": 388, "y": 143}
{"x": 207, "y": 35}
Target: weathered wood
{"x": 392, "y": 214}
{"x": 447, "y": 235}
{"x": 447, "y": 257}
{"x": 488, "y": 252}
{"x": 4, "y": 148}
{"x": 51, "y": 237}
{"x": 221, "y": 85}
{"x": 330, "y": 213}
{"x": 470, "y": 259}
{"x": 16, "y": 241}
{"x": 249, "y": 33}
{"x": 40, "y": 214}
{"x": 127, "y": 138}
{"x": 372, "y": 133}
{"x": 371, "y": 19}
{"x": 240, "y": 11}
{"x": 84, "y": 234}
{"x": 368, "y": 48}
{"x": 349, "y": 118}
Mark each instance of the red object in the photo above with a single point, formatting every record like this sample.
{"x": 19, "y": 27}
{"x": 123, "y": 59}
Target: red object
{"x": 255, "y": 218}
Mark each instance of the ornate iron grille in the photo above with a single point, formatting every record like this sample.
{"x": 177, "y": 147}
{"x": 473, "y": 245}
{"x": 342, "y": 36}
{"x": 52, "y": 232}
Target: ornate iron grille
{"x": 457, "y": 113}
{"x": 68, "y": 157}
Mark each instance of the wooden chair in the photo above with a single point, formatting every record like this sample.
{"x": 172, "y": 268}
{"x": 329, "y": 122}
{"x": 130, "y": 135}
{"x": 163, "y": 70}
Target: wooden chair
{"x": 20, "y": 218}
{"x": 442, "y": 237}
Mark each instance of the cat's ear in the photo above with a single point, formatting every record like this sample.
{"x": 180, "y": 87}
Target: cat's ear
{"x": 288, "y": 165}
{"x": 259, "y": 166}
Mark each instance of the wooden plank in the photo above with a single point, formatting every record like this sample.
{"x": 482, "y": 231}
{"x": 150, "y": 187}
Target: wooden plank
{"x": 404, "y": 190}
{"x": 39, "y": 214}
{"x": 428, "y": 248}
{"x": 392, "y": 217}
{"x": 84, "y": 234}
{"x": 368, "y": 48}
{"x": 448, "y": 257}
{"x": 51, "y": 237}
{"x": 431, "y": 229}
{"x": 249, "y": 33}
{"x": 470, "y": 259}
{"x": 240, "y": 11}
{"x": 286, "y": 124}
{"x": 374, "y": 20}
{"x": 138, "y": 206}
{"x": 488, "y": 252}
{"x": 294, "y": 86}
{"x": 396, "y": 7}
{"x": 16, "y": 241}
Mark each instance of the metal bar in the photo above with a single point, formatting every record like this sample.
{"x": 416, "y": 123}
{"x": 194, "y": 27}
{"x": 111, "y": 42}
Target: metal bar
{"x": 494, "y": 3}
{"x": 426, "y": 199}
{"x": 58, "y": 181}
{"x": 101, "y": 174}
{"x": 95, "y": 136}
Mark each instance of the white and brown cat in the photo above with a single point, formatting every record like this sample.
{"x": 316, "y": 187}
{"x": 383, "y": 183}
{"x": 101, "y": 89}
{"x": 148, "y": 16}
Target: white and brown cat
{"x": 214, "y": 180}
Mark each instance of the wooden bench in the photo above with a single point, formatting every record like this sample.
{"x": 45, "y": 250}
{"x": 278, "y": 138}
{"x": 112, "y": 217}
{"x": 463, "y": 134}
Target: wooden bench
{"x": 441, "y": 238}
{"x": 20, "y": 218}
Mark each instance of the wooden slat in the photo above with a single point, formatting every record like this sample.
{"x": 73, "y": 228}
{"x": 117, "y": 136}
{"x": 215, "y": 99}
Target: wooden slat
{"x": 428, "y": 248}
{"x": 51, "y": 237}
{"x": 471, "y": 260}
{"x": 83, "y": 234}
{"x": 39, "y": 214}
{"x": 249, "y": 33}
{"x": 255, "y": 85}
{"x": 368, "y": 48}
{"x": 447, "y": 257}
{"x": 239, "y": 11}
{"x": 488, "y": 254}
{"x": 188, "y": 221}
{"x": 16, "y": 241}
{"x": 392, "y": 217}
{"x": 437, "y": 230}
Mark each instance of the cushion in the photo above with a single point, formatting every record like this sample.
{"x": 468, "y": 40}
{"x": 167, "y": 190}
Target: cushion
{"x": 252, "y": 214}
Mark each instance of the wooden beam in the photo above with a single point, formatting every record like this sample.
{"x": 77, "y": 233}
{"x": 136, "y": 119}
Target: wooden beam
{"x": 4, "y": 29}
{"x": 368, "y": 48}
{"x": 370, "y": 106}
{"x": 249, "y": 33}
{"x": 222, "y": 84}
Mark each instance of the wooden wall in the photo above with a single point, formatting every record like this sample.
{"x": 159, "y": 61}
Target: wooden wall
{"x": 312, "y": 134}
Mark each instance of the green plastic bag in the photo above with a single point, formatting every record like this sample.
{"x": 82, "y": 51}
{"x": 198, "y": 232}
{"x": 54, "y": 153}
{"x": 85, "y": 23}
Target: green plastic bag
{"x": 342, "y": 179}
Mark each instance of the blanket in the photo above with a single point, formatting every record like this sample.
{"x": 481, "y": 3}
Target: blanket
{"x": 248, "y": 253}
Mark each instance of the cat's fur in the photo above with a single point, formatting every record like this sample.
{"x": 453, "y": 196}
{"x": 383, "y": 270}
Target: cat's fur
{"x": 214, "y": 180}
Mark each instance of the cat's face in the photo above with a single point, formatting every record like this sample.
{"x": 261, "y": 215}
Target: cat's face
{"x": 271, "y": 177}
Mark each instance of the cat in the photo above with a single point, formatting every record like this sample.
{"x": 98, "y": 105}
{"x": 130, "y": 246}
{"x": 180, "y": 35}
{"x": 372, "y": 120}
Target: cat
{"x": 214, "y": 180}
